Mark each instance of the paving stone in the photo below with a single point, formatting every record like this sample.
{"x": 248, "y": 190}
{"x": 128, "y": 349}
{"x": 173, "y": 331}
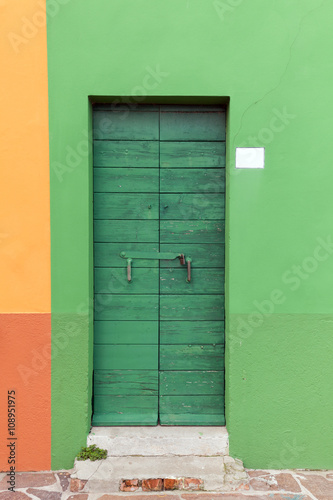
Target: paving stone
{"x": 329, "y": 476}
{"x": 77, "y": 484}
{"x": 319, "y": 486}
{"x": 79, "y": 496}
{"x": 44, "y": 494}
{"x": 151, "y": 496}
{"x": 219, "y": 496}
{"x": 16, "y": 495}
{"x": 276, "y": 482}
{"x": 255, "y": 473}
{"x": 64, "y": 478}
{"x": 152, "y": 484}
{"x": 240, "y": 496}
{"x": 286, "y": 482}
{"x": 285, "y": 496}
{"x": 27, "y": 479}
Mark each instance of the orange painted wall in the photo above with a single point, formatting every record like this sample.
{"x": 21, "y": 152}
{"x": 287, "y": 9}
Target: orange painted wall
{"x": 24, "y": 157}
{"x": 25, "y": 289}
{"x": 25, "y": 367}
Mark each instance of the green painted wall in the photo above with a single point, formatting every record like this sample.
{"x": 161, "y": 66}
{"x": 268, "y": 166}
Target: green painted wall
{"x": 274, "y": 61}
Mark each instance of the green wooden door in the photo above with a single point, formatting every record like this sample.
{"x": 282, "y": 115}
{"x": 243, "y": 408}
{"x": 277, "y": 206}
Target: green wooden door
{"x": 159, "y": 183}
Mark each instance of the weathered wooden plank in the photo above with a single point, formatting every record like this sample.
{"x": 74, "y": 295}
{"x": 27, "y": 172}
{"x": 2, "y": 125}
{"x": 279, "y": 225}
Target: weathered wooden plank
{"x": 191, "y": 180}
{"x": 107, "y": 419}
{"x": 189, "y": 419}
{"x": 173, "y": 281}
{"x": 126, "y": 231}
{"x": 190, "y": 206}
{"x": 192, "y": 332}
{"x": 125, "y": 332}
{"x": 107, "y": 254}
{"x": 114, "y": 280}
{"x": 126, "y": 382}
{"x": 192, "y": 357}
{"x": 189, "y": 126}
{"x": 126, "y": 180}
{"x": 191, "y": 231}
{"x": 126, "y": 307}
{"x": 126, "y": 357}
{"x": 133, "y": 154}
{"x": 192, "y": 155}
{"x": 202, "y": 255}
{"x": 192, "y": 307}
{"x": 126, "y": 315}
{"x": 207, "y": 405}
{"x": 126, "y": 125}
{"x": 125, "y": 410}
{"x": 179, "y": 383}
{"x": 126, "y": 206}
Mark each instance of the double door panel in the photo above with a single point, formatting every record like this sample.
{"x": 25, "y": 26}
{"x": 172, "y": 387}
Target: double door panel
{"x": 159, "y": 188}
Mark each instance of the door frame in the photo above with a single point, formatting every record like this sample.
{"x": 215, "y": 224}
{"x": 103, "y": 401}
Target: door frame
{"x": 133, "y": 102}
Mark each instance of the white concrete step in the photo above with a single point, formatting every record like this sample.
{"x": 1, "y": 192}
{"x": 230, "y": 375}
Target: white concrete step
{"x": 107, "y": 475}
{"x": 160, "y": 441}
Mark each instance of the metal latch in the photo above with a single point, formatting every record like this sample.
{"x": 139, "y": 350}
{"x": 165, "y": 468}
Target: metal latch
{"x": 129, "y": 256}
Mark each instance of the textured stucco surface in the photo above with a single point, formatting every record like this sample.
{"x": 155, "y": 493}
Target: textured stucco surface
{"x": 25, "y": 269}
{"x": 26, "y": 369}
{"x": 273, "y": 60}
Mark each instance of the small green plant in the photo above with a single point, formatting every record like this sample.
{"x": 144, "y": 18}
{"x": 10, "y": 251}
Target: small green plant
{"x": 91, "y": 453}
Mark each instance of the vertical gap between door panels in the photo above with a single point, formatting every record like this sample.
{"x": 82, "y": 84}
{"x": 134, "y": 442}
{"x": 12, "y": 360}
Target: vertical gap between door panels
{"x": 159, "y": 262}
{"x": 93, "y": 261}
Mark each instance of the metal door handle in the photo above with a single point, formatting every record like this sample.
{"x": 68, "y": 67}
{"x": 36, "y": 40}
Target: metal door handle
{"x": 188, "y": 260}
{"x": 152, "y": 255}
{"x": 129, "y": 270}
{"x": 129, "y": 256}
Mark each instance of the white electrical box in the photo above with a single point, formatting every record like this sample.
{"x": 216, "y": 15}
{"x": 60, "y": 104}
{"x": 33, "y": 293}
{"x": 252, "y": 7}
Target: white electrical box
{"x": 250, "y": 157}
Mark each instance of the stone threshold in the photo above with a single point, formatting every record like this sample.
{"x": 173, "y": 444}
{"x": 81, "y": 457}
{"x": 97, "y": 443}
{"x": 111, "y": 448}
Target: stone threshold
{"x": 161, "y": 441}
{"x": 262, "y": 485}
{"x": 160, "y": 458}
{"x": 133, "y": 473}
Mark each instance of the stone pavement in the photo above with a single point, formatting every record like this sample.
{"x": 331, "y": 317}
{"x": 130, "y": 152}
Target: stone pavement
{"x": 250, "y": 485}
